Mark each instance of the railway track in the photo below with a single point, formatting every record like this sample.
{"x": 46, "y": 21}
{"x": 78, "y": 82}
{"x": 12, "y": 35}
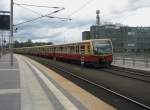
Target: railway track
{"x": 60, "y": 68}
{"x": 130, "y": 73}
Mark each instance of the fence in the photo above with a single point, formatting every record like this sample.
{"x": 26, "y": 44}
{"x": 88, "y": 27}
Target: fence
{"x": 131, "y": 59}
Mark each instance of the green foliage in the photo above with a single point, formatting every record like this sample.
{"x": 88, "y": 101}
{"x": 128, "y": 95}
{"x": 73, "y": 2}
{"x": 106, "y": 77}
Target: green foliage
{"x": 29, "y": 43}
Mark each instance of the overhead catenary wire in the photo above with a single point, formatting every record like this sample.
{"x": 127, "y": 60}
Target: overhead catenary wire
{"x": 29, "y": 9}
{"x": 37, "y": 6}
{"x": 45, "y": 15}
{"x": 34, "y": 19}
{"x": 76, "y": 11}
{"x": 41, "y": 16}
{"x": 81, "y": 7}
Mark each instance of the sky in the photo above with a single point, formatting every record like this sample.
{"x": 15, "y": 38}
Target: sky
{"x": 81, "y": 12}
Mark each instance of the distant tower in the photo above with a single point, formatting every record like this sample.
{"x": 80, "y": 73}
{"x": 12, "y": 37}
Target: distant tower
{"x": 97, "y": 17}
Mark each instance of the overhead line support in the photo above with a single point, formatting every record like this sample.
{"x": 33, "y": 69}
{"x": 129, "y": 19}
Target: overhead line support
{"x": 11, "y": 33}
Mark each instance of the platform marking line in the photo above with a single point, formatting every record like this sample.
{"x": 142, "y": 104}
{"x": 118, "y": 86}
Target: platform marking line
{"x": 9, "y": 91}
{"x": 68, "y": 105}
{"x": 3, "y": 61}
{"x": 9, "y": 69}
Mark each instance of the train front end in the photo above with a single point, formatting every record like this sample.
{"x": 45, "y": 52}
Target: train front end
{"x": 103, "y": 52}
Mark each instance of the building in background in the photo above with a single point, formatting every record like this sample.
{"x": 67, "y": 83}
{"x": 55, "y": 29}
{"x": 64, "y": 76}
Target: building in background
{"x": 86, "y": 35}
{"x": 124, "y": 38}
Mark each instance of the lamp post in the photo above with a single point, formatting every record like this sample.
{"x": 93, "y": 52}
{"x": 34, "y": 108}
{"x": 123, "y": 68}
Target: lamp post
{"x": 2, "y": 43}
{"x": 0, "y": 48}
{"x": 11, "y": 33}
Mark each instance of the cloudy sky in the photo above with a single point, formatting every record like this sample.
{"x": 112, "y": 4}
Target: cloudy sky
{"x": 82, "y": 13}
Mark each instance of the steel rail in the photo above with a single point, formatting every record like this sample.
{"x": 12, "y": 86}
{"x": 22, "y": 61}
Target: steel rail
{"x": 102, "y": 87}
{"x": 125, "y": 75}
{"x": 109, "y": 90}
{"x": 132, "y": 72}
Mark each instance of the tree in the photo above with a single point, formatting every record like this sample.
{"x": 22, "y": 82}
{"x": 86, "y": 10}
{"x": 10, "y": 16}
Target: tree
{"x": 16, "y": 44}
{"x": 29, "y": 43}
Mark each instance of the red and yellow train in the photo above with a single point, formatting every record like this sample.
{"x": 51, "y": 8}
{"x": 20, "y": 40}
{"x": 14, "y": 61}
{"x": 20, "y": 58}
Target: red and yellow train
{"x": 95, "y": 52}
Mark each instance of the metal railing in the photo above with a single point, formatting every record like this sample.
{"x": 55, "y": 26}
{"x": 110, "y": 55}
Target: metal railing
{"x": 142, "y": 60}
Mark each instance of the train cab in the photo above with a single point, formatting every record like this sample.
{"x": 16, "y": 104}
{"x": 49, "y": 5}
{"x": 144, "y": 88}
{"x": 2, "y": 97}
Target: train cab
{"x": 101, "y": 52}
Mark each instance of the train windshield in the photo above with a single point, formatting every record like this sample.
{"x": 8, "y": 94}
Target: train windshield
{"x": 101, "y": 47}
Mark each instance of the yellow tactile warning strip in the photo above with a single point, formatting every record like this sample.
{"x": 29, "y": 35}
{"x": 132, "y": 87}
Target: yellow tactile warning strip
{"x": 87, "y": 99}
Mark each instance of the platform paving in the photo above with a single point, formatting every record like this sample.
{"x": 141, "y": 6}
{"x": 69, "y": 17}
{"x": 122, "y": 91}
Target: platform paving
{"x": 25, "y": 86}
{"x": 9, "y": 84}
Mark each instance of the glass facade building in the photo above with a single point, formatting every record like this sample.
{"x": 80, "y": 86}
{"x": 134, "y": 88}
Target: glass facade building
{"x": 124, "y": 38}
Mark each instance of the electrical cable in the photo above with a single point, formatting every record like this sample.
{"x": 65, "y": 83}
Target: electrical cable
{"x": 73, "y": 13}
{"x": 29, "y": 9}
{"x": 37, "y": 6}
{"x": 80, "y": 8}
{"x": 31, "y": 20}
{"x": 43, "y": 15}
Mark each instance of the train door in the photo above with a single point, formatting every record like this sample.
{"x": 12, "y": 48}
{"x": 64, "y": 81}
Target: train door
{"x": 54, "y": 53}
{"x": 82, "y": 54}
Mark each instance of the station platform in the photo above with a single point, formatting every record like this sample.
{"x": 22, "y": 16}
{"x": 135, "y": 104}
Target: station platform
{"x": 28, "y": 85}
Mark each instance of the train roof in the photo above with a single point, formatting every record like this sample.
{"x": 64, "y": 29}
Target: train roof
{"x": 84, "y": 41}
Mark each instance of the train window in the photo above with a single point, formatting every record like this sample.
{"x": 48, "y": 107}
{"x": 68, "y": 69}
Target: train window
{"x": 72, "y": 49}
{"x": 88, "y": 48}
{"x": 82, "y": 47}
{"x": 61, "y": 49}
{"x": 57, "y": 49}
{"x": 66, "y": 49}
{"x": 77, "y": 49}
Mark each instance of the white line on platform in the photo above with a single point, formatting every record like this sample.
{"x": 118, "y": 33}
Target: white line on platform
{"x": 9, "y": 91}
{"x": 68, "y": 105}
{"x": 9, "y": 69}
{"x": 6, "y": 62}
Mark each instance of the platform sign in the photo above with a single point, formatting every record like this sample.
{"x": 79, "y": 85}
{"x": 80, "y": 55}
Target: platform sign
{"x": 4, "y": 22}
